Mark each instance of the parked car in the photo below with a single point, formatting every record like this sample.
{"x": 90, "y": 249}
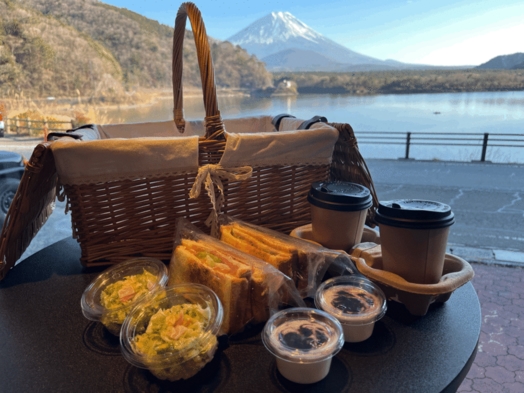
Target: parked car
{"x": 12, "y": 166}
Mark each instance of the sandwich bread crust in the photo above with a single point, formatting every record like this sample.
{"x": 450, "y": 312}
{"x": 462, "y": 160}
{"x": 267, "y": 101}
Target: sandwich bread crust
{"x": 191, "y": 262}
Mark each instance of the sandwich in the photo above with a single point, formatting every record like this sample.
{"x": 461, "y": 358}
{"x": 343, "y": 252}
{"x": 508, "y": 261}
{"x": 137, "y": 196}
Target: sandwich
{"x": 296, "y": 258}
{"x": 283, "y": 256}
{"x": 240, "y": 285}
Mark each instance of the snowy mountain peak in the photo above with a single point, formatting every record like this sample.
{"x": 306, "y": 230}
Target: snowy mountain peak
{"x": 281, "y": 15}
{"x": 273, "y": 28}
{"x": 285, "y": 43}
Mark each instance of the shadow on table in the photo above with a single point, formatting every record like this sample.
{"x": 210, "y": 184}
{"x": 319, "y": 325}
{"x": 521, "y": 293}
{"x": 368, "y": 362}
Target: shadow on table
{"x": 54, "y": 260}
{"x": 213, "y": 377}
{"x": 381, "y": 341}
{"x": 400, "y": 313}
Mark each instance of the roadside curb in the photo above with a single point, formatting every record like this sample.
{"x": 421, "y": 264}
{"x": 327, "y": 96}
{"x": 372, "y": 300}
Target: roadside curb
{"x": 21, "y": 138}
{"x": 488, "y": 256}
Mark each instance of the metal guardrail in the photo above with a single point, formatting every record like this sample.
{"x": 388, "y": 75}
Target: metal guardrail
{"x": 26, "y": 125}
{"x": 408, "y": 139}
{"x": 483, "y": 141}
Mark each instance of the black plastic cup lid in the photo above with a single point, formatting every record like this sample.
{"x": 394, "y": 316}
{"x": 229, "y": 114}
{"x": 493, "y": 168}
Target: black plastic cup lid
{"x": 414, "y": 213}
{"x": 340, "y": 196}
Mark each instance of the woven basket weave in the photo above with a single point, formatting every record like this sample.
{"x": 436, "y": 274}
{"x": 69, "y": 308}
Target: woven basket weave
{"x": 118, "y": 219}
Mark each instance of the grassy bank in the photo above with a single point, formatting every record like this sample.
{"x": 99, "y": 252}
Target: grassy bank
{"x": 77, "y": 110}
{"x": 406, "y": 82}
{"x": 81, "y": 110}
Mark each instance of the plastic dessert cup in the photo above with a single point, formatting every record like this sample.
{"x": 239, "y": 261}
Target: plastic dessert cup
{"x": 338, "y": 213}
{"x": 173, "y": 333}
{"x": 355, "y": 301}
{"x": 111, "y": 296}
{"x": 303, "y": 341}
{"x": 414, "y": 235}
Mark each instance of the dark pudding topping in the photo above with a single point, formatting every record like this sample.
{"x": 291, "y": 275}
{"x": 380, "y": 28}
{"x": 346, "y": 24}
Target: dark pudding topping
{"x": 304, "y": 336}
{"x": 352, "y": 303}
{"x": 350, "y": 300}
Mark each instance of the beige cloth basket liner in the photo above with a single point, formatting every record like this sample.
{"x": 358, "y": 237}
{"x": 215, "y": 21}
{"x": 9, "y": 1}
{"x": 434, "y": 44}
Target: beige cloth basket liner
{"x": 118, "y": 152}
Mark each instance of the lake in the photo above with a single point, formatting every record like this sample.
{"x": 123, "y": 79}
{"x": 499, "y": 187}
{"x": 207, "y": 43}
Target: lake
{"x": 479, "y": 113}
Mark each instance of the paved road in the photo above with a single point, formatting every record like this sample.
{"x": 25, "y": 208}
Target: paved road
{"x": 21, "y": 145}
{"x": 487, "y": 199}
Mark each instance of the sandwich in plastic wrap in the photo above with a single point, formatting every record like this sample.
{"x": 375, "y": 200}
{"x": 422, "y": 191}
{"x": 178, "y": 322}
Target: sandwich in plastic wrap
{"x": 305, "y": 262}
{"x": 250, "y": 289}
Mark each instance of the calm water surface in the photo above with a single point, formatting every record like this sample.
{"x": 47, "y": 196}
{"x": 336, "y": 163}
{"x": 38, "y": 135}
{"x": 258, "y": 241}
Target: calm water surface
{"x": 491, "y": 112}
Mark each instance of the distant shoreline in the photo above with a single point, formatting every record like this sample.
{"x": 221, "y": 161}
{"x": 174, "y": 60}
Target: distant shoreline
{"x": 352, "y": 83}
{"x": 406, "y": 82}
{"x": 339, "y": 90}
{"x": 304, "y": 83}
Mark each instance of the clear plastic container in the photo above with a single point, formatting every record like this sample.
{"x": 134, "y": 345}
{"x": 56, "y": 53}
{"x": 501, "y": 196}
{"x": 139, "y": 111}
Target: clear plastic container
{"x": 355, "y": 301}
{"x": 173, "y": 334}
{"x": 303, "y": 341}
{"x": 112, "y": 295}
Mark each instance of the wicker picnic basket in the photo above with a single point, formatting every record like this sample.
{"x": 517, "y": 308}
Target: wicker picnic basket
{"x": 116, "y": 219}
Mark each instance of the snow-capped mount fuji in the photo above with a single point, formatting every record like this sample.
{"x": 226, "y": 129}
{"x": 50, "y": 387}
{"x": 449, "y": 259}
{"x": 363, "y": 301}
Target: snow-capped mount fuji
{"x": 285, "y": 43}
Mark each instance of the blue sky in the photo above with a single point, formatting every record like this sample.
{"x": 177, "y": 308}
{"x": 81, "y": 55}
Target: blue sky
{"x": 438, "y": 32}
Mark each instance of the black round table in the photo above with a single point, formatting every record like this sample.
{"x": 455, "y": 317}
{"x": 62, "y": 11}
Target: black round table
{"x": 46, "y": 345}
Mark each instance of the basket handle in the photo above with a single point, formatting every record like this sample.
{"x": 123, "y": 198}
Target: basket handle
{"x": 213, "y": 121}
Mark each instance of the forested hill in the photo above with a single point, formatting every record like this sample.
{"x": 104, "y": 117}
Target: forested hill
{"x": 505, "y": 62}
{"x": 58, "y": 47}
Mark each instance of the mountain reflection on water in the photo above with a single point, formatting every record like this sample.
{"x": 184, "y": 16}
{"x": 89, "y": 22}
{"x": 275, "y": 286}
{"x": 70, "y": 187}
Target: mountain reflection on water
{"x": 479, "y": 113}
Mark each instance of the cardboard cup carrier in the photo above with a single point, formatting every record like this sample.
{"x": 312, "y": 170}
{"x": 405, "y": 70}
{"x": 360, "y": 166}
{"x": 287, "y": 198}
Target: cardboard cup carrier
{"x": 338, "y": 213}
{"x": 414, "y": 235}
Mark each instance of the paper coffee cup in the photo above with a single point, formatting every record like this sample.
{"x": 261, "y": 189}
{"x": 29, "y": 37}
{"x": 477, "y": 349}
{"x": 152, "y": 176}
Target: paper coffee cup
{"x": 413, "y": 236}
{"x": 338, "y": 213}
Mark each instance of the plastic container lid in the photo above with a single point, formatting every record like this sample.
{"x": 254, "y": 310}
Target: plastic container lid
{"x": 181, "y": 356}
{"x": 303, "y": 335}
{"x": 353, "y": 300}
{"x": 340, "y": 196}
{"x": 414, "y": 213}
{"x": 113, "y": 317}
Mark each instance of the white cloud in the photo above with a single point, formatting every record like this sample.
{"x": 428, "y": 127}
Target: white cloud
{"x": 478, "y": 49}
